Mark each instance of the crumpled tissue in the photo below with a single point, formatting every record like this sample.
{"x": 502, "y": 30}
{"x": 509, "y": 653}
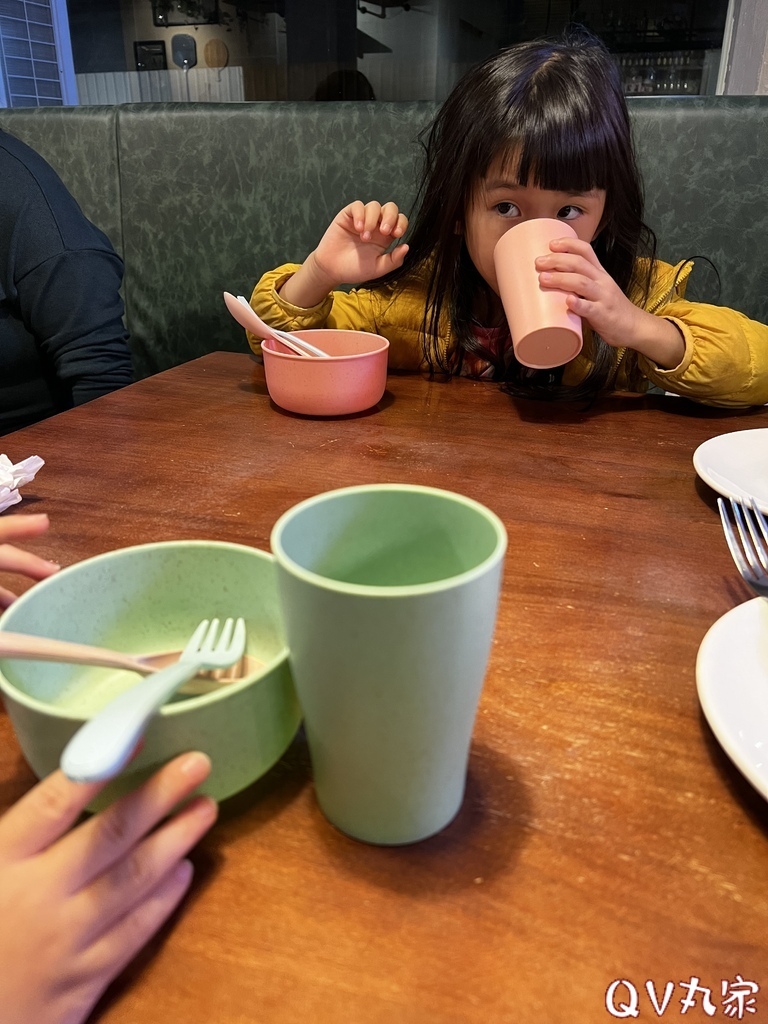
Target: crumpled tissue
{"x": 13, "y": 477}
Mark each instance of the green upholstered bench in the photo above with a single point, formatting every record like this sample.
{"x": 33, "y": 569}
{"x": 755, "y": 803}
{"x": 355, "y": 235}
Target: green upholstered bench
{"x": 199, "y": 198}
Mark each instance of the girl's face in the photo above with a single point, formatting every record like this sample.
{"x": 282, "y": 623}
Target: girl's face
{"x": 499, "y": 203}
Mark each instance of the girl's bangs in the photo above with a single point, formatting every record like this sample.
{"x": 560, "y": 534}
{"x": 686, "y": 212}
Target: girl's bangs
{"x": 557, "y": 157}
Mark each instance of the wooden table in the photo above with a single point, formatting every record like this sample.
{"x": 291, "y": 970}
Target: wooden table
{"x": 604, "y": 834}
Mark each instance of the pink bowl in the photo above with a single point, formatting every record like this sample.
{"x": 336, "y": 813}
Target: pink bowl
{"x": 352, "y": 380}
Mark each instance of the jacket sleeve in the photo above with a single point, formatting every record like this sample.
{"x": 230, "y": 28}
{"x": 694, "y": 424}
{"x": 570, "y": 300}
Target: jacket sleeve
{"x": 73, "y": 306}
{"x": 378, "y": 311}
{"x": 63, "y": 283}
{"x": 726, "y": 356}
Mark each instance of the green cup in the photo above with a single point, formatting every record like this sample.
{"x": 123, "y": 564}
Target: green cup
{"x": 389, "y": 595}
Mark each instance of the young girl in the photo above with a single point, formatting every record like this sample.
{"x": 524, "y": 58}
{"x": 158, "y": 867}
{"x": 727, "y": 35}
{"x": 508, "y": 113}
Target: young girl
{"x": 537, "y": 130}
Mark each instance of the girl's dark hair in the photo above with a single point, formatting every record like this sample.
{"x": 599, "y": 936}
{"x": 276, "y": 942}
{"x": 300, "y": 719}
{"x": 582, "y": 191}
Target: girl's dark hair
{"x": 557, "y": 110}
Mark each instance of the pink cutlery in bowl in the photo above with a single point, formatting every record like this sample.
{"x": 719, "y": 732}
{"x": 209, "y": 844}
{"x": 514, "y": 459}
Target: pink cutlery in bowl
{"x": 321, "y": 372}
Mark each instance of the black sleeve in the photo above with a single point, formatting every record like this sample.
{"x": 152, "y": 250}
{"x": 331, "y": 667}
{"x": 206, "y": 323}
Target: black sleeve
{"x": 71, "y": 303}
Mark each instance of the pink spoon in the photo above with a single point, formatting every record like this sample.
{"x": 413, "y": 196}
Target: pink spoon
{"x": 248, "y": 318}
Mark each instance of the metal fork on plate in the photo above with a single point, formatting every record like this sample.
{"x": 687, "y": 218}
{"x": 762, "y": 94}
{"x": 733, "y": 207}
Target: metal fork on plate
{"x": 746, "y": 531}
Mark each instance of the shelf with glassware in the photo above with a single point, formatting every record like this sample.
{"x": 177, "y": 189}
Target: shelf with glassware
{"x": 669, "y": 73}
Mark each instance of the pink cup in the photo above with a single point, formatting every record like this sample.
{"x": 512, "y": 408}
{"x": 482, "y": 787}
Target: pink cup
{"x": 545, "y": 333}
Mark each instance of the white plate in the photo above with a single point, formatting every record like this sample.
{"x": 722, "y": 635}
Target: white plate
{"x": 732, "y": 680}
{"x": 736, "y": 464}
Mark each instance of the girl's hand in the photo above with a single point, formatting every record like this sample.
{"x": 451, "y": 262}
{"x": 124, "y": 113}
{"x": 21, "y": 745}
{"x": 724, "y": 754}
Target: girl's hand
{"x": 12, "y": 559}
{"x": 573, "y": 267}
{"x": 353, "y": 249}
{"x": 77, "y": 907}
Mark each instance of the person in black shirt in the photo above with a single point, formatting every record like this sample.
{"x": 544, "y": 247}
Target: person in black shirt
{"x": 62, "y": 337}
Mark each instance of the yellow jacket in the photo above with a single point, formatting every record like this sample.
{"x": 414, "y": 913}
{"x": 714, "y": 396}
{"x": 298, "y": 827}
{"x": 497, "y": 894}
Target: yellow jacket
{"x": 726, "y": 353}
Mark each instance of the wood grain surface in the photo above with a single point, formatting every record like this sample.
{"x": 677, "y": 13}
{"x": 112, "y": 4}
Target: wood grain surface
{"x": 604, "y": 834}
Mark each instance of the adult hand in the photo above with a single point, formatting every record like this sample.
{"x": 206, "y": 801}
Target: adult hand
{"x": 12, "y": 559}
{"x": 354, "y": 248}
{"x": 573, "y": 267}
{"x": 77, "y": 907}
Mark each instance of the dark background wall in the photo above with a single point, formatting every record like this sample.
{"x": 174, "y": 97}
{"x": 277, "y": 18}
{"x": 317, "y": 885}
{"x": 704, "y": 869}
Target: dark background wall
{"x": 96, "y": 29}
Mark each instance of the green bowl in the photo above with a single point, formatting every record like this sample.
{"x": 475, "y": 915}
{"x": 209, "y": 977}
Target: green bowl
{"x": 147, "y": 599}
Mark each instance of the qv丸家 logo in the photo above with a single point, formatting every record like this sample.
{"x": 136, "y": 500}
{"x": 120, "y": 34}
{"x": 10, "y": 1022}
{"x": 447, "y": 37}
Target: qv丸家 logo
{"x": 736, "y": 998}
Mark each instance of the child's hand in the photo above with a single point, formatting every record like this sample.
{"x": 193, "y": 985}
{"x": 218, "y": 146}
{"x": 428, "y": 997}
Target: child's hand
{"x": 12, "y": 559}
{"x": 76, "y": 908}
{"x": 353, "y": 249}
{"x": 573, "y": 267}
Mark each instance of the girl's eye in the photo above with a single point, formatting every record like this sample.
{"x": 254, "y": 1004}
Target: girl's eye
{"x": 507, "y": 210}
{"x": 568, "y": 213}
